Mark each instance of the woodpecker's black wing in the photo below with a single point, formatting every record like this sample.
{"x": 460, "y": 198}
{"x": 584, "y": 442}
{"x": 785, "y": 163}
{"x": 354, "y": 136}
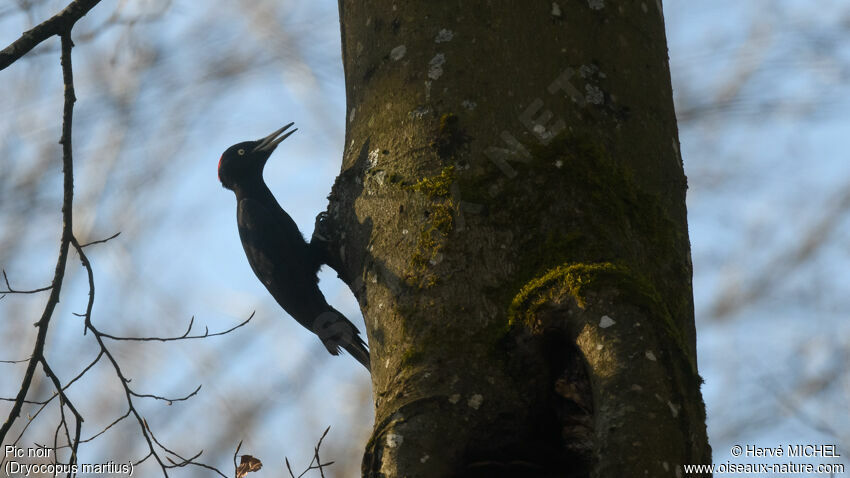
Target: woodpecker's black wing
{"x": 283, "y": 262}
{"x": 278, "y": 255}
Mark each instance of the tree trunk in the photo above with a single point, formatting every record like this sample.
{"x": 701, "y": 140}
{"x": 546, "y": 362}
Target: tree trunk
{"x": 511, "y": 217}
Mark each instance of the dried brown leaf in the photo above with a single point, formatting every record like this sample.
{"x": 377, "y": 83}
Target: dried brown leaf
{"x": 247, "y": 464}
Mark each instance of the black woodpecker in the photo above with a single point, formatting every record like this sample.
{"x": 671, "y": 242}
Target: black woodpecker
{"x": 280, "y": 257}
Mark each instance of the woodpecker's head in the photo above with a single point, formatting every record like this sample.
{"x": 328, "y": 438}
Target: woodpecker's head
{"x": 245, "y": 161}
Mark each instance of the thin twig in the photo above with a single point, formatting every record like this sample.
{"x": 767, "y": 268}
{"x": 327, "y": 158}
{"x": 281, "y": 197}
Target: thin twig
{"x": 316, "y": 454}
{"x": 165, "y": 399}
{"x": 102, "y": 431}
{"x": 101, "y": 241}
{"x": 10, "y": 290}
{"x": 84, "y": 260}
{"x": 30, "y": 420}
{"x": 63, "y": 402}
{"x": 15, "y": 361}
{"x": 184, "y": 461}
{"x": 185, "y": 335}
{"x": 144, "y": 459}
{"x": 288, "y": 467}
{"x": 315, "y": 463}
{"x": 235, "y": 453}
{"x": 79, "y": 375}
{"x": 28, "y": 402}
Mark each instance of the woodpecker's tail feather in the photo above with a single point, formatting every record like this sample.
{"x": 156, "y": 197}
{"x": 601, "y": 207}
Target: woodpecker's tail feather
{"x": 336, "y": 331}
{"x": 357, "y": 349}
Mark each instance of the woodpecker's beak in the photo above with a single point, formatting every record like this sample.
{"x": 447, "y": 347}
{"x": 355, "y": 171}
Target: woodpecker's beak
{"x": 270, "y": 142}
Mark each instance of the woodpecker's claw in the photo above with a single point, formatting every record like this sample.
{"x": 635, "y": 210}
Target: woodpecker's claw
{"x": 269, "y": 143}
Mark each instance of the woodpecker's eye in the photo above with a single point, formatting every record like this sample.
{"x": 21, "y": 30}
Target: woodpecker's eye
{"x": 241, "y": 152}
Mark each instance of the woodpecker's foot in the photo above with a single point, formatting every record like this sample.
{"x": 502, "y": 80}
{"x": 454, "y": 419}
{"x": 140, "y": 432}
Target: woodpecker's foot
{"x": 321, "y": 228}
{"x": 322, "y": 243}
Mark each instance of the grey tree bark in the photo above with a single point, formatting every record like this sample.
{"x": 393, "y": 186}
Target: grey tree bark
{"x": 511, "y": 217}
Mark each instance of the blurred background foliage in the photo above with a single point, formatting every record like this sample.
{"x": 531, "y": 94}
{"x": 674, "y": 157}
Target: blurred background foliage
{"x": 164, "y": 86}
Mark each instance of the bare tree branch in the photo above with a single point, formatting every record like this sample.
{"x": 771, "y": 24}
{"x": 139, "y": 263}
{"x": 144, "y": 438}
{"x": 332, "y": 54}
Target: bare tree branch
{"x": 26, "y": 408}
{"x": 148, "y": 435}
{"x": 59, "y": 24}
{"x": 67, "y": 231}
